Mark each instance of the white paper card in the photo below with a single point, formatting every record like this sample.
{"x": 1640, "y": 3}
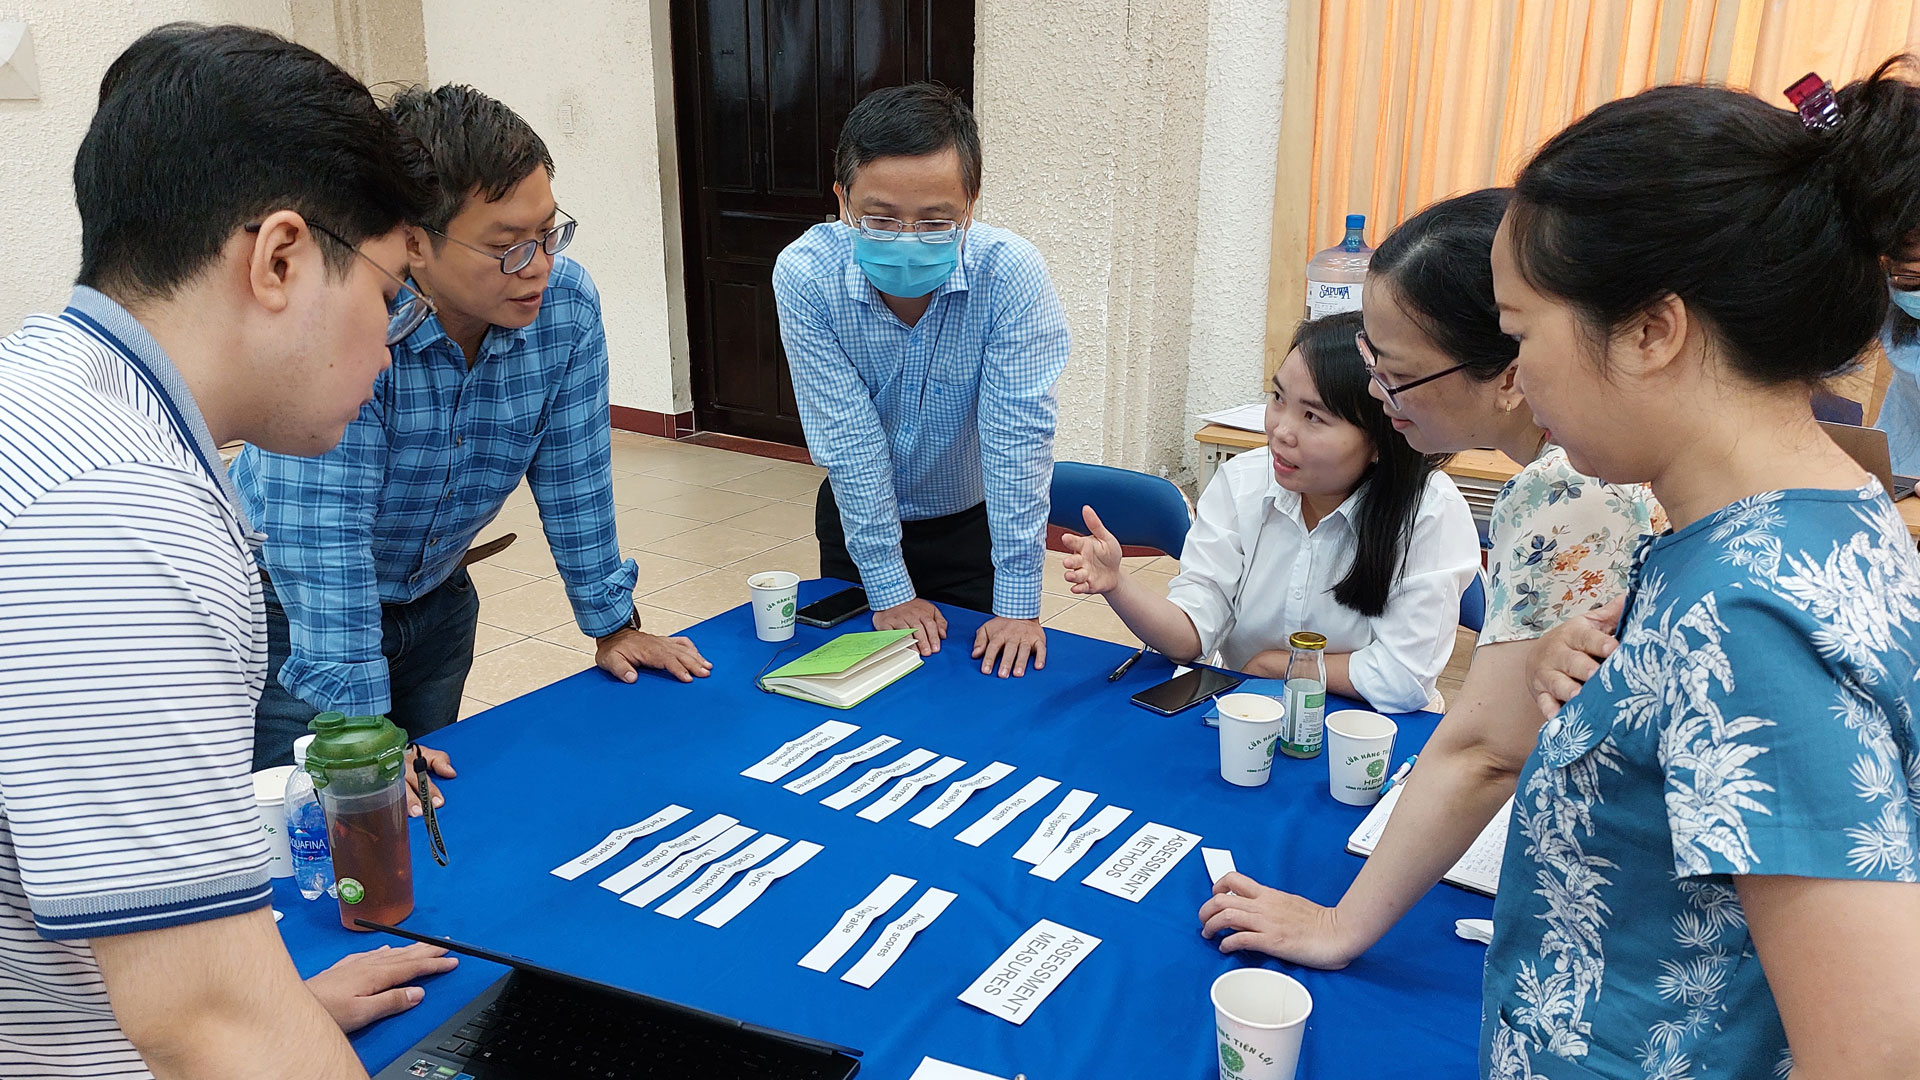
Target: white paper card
{"x": 1047, "y": 836}
{"x": 874, "y": 777}
{"x": 853, "y": 922}
{"x": 895, "y": 939}
{"x": 959, "y": 792}
{"x": 839, "y": 763}
{"x": 904, "y": 791}
{"x": 683, "y": 867}
{"x": 1011, "y": 807}
{"x": 617, "y": 840}
{"x": 664, "y": 853}
{"x": 944, "y": 1070}
{"x": 1148, "y": 855}
{"x": 1219, "y": 863}
{"x": 794, "y": 754}
{"x": 1028, "y": 971}
{"x": 1079, "y": 842}
{"x": 756, "y": 882}
{"x": 717, "y": 875}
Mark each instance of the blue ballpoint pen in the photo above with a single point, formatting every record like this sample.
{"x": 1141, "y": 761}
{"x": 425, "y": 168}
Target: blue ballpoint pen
{"x": 1399, "y": 774}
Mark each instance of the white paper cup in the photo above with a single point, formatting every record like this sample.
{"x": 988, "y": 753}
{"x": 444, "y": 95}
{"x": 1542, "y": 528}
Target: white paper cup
{"x": 1359, "y": 751}
{"x": 1249, "y": 726}
{"x": 270, "y": 799}
{"x": 1259, "y": 1018}
{"x": 775, "y": 595}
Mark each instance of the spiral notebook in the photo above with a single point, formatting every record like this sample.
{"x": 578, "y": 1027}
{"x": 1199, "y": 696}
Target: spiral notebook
{"x": 1478, "y": 870}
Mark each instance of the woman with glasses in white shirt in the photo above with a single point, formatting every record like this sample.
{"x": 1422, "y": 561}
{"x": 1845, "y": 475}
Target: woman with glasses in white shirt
{"x": 1337, "y": 527}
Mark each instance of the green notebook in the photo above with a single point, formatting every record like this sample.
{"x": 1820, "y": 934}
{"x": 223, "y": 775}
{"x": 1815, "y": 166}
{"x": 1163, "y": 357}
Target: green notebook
{"x": 847, "y": 670}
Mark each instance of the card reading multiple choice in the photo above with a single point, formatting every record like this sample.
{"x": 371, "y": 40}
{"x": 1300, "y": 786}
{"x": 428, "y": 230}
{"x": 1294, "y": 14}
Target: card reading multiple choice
{"x": 664, "y": 853}
{"x": 617, "y": 840}
{"x": 683, "y": 867}
{"x": 1131, "y": 872}
{"x": 792, "y": 755}
{"x": 1031, "y": 968}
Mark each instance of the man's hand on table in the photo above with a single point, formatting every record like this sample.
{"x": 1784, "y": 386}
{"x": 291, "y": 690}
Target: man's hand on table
{"x": 438, "y": 764}
{"x": 371, "y": 986}
{"x": 920, "y": 616}
{"x": 1012, "y": 642}
{"x": 1245, "y": 914}
{"x": 622, "y": 653}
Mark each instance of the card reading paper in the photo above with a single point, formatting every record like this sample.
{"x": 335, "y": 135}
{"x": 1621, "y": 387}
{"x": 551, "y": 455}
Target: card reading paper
{"x": 683, "y": 867}
{"x": 959, "y": 792}
{"x": 792, "y": 755}
{"x": 1219, "y": 862}
{"x": 1149, "y": 855}
{"x": 617, "y": 840}
{"x": 1028, "y": 971}
{"x": 895, "y": 939}
{"x": 1044, "y": 838}
{"x": 717, "y": 875}
{"x": 839, "y": 763}
{"x": 1011, "y": 807}
{"x": 756, "y": 882}
{"x": 871, "y": 780}
{"x": 853, "y": 922}
{"x": 904, "y": 791}
{"x": 664, "y": 853}
{"x": 1079, "y": 842}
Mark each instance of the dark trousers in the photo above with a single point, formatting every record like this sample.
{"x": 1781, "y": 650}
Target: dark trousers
{"x": 429, "y": 649}
{"x": 950, "y": 559}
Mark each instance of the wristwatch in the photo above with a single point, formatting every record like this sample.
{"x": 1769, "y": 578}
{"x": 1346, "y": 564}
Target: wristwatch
{"x": 632, "y": 623}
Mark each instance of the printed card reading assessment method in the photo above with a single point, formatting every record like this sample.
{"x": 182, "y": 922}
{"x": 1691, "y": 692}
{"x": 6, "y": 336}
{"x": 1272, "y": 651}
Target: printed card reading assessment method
{"x": 1148, "y": 856}
{"x": 792, "y": 755}
{"x": 617, "y": 840}
{"x": 1028, "y": 971}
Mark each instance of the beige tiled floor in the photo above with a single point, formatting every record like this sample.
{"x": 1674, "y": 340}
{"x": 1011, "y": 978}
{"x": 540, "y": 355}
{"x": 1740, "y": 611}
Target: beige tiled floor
{"x": 697, "y": 520}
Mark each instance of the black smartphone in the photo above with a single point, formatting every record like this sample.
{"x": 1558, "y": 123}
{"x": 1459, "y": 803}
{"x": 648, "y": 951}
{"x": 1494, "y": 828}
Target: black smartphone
{"x": 833, "y": 610}
{"x": 1183, "y": 692}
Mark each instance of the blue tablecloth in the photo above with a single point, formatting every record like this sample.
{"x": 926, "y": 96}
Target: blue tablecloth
{"x": 544, "y": 777}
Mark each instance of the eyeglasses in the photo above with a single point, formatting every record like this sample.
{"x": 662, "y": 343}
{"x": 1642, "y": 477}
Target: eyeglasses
{"x": 1904, "y": 282}
{"x": 884, "y": 229}
{"x": 1373, "y": 371}
{"x": 405, "y": 312}
{"x": 516, "y": 258}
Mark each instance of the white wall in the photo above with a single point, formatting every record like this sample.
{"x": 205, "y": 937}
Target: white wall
{"x": 596, "y": 59}
{"x": 73, "y": 44}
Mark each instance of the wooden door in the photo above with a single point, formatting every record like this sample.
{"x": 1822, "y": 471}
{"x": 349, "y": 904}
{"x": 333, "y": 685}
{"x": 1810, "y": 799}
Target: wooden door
{"x": 761, "y": 88}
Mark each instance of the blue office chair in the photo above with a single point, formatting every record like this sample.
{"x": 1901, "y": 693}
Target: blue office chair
{"x": 1473, "y": 604}
{"x": 1831, "y": 408}
{"x": 1141, "y": 510}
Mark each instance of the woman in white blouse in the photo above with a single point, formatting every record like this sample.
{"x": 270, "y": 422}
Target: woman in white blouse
{"x": 1337, "y": 527}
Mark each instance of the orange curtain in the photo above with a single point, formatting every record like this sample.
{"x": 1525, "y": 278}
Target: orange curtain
{"x": 1415, "y": 100}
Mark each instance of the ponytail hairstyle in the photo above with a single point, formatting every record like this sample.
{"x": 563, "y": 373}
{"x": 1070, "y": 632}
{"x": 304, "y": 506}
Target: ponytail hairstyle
{"x": 1770, "y": 233}
{"x": 1391, "y": 488}
{"x": 1439, "y": 264}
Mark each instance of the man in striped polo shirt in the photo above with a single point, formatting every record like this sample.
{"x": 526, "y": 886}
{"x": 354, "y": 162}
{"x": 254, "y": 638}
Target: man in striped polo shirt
{"x": 241, "y": 202}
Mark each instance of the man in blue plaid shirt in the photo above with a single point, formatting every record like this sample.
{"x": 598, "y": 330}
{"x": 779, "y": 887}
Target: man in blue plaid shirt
{"x": 924, "y": 349}
{"x": 369, "y": 608}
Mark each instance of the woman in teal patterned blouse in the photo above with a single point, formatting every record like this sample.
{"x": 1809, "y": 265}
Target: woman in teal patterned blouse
{"x": 1561, "y": 543}
{"x": 1711, "y": 869}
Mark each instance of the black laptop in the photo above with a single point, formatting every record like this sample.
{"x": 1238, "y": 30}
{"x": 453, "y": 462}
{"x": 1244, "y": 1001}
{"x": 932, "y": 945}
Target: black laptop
{"x": 536, "y": 1023}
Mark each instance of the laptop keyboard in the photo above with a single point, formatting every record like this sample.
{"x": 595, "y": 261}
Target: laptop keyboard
{"x": 544, "y": 1028}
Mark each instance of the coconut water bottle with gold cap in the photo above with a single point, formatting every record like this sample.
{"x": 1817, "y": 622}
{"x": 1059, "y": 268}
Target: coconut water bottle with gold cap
{"x": 1302, "y": 728}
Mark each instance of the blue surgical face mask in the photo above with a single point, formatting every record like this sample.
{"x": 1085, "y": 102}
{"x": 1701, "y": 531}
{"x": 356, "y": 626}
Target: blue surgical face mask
{"x": 906, "y": 267}
{"x": 1908, "y": 302}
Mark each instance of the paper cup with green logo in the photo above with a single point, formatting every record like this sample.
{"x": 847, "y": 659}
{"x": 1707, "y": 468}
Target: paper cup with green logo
{"x": 1359, "y": 752}
{"x": 1249, "y": 726}
{"x": 1259, "y": 1018}
{"x": 775, "y": 594}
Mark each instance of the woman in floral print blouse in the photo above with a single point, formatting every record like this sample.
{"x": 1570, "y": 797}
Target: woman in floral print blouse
{"x": 1561, "y": 544}
{"x": 1711, "y": 869}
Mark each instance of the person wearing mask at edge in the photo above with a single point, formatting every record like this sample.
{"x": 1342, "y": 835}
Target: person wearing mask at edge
{"x": 924, "y": 347}
{"x": 1738, "y": 779}
{"x": 1561, "y": 544}
{"x": 1900, "y": 338}
{"x": 240, "y": 202}
{"x": 1337, "y": 527}
{"x": 369, "y": 608}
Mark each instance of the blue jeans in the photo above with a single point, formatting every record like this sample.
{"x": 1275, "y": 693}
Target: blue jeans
{"x": 429, "y": 649}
